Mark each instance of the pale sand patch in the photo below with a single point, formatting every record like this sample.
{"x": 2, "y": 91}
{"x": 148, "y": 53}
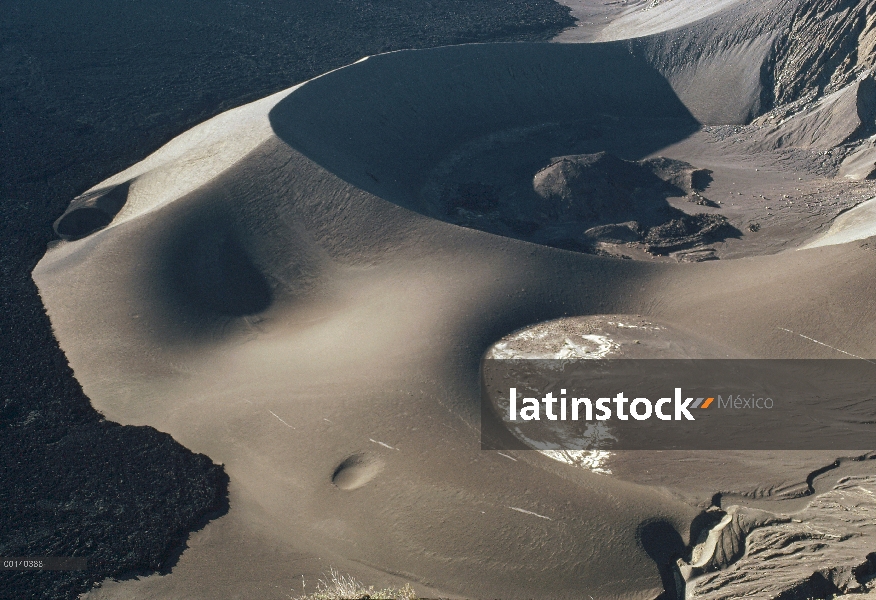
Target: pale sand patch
{"x": 857, "y": 223}
{"x": 604, "y": 21}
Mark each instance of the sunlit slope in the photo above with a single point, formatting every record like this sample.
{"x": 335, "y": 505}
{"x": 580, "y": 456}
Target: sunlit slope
{"x": 277, "y": 293}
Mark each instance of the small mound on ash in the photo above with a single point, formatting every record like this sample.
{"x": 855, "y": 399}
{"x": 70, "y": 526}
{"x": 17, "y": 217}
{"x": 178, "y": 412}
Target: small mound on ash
{"x": 582, "y": 202}
{"x": 598, "y": 189}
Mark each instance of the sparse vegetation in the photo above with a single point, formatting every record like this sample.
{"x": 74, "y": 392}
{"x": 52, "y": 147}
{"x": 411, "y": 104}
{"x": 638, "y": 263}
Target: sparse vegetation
{"x": 337, "y": 586}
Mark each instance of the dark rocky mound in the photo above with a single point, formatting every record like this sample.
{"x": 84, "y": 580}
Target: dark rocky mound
{"x": 585, "y": 200}
{"x": 88, "y": 89}
{"x": 596, "y": 189}
{"x": 680, "y": 174}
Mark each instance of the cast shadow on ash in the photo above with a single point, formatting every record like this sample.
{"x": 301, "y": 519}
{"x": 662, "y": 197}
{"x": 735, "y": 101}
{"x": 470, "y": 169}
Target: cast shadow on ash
{"x": 384, "y": 125}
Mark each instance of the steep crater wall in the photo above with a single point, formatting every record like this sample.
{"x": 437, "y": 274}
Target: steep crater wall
{"x": 383, "y": 124}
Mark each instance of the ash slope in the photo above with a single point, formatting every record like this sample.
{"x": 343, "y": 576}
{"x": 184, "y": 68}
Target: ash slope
{"x": 273, "y": 257}
{"x": 87, "y": 90}
{"x": 765, "y": 55}
{"x": 325, "y": 250}
{"x": 372, "y": 315}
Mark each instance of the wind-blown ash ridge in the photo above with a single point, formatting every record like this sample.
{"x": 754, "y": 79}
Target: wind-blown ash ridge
{"x": 288, "y": 273}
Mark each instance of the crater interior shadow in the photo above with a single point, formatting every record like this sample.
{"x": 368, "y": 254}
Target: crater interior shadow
{"x": 90, "y": 212}
{"x": 384, "y": 123}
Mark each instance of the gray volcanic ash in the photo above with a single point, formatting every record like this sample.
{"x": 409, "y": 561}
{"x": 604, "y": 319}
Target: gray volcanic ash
{"x": 287, "y": 290}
